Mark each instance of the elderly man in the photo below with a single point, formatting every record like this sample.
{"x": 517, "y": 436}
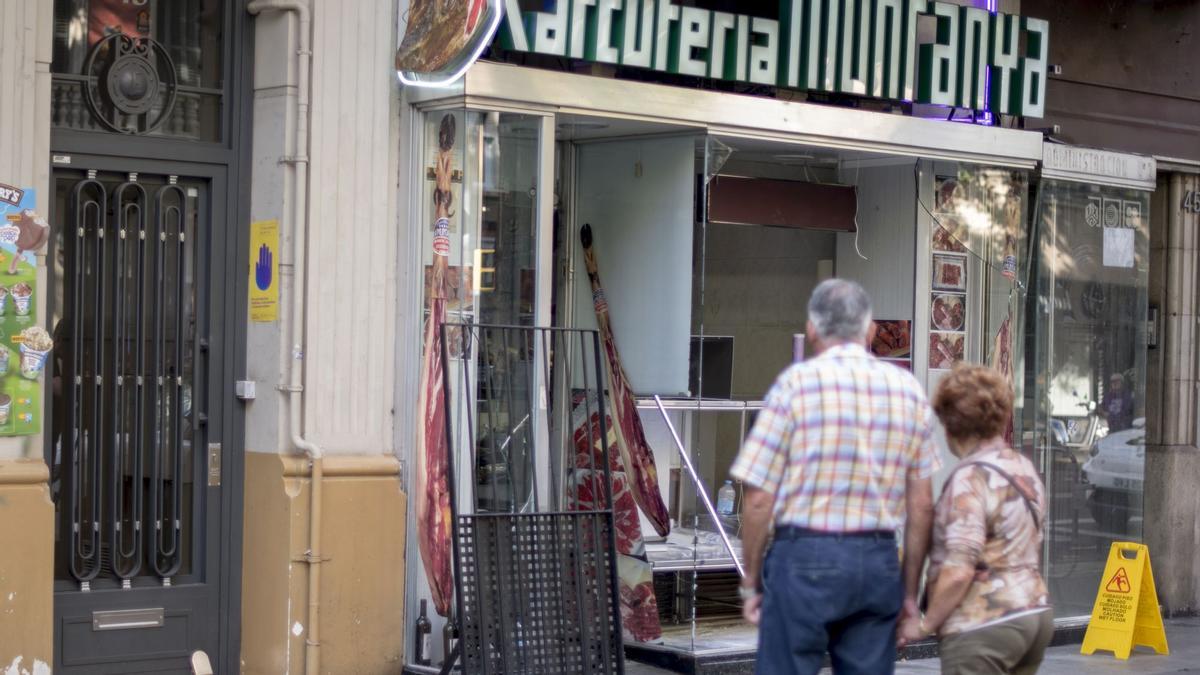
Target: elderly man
{"x": 840, "y": 458}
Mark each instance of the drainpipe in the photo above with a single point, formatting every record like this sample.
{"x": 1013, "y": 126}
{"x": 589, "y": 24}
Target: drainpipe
{"x": 299, "y": 170}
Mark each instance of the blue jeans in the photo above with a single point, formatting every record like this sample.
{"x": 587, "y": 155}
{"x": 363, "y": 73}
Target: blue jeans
{"x": 840, "y": 594}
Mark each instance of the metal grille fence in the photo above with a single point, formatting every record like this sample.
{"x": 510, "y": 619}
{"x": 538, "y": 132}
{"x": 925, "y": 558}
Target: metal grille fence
{"x": 536, "y": 584}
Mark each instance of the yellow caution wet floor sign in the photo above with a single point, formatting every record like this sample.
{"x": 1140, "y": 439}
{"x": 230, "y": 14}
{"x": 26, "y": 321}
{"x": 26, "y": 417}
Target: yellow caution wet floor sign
{"x": 1126, "y": 611}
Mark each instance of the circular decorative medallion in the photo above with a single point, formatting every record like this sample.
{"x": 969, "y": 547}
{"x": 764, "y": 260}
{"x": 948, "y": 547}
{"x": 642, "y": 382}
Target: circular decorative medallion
{"x": 131, "y": 85}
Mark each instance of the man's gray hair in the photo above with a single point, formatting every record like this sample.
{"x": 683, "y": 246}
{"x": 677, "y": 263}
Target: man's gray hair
{"x": 840, "y": 310}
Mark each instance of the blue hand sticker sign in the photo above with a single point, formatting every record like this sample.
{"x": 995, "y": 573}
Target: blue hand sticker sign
{"x": 262, "y": 268}
{"x": 264, "y": 286}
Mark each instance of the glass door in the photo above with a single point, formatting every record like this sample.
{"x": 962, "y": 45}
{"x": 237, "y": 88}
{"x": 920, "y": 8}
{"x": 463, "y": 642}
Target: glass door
{"x": 1087, "y": 377}
{"x": 484, "y": 217}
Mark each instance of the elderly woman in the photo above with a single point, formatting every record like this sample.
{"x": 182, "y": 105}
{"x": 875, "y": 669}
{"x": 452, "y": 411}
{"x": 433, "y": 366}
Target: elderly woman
{"x": 987, "y": 600}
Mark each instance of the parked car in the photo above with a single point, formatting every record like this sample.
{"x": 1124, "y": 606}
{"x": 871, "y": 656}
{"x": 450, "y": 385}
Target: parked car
{"x": 1114, "y": 474}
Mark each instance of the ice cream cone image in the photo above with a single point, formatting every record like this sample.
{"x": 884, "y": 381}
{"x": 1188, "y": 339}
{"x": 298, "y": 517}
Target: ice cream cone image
{"x": 35, "y": 347}
{"x": 32, "y": 233}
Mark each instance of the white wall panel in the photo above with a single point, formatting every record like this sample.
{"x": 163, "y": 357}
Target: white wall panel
{"x": 638, "y": 198}
{"x": 887, "y": 239}
{"x": 351, "y": 285}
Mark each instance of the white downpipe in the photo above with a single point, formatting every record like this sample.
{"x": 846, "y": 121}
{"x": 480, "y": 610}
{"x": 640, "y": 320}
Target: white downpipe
{"x": 298, "y": 170}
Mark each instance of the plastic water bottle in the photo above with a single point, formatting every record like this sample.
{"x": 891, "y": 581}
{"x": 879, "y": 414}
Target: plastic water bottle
{"x": 725, "y": 499}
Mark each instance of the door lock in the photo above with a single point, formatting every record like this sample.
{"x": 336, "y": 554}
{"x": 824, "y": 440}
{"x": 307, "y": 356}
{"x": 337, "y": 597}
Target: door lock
{"x": 214, "y": 465}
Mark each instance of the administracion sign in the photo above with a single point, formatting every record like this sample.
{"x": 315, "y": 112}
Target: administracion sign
{"x": 1126, "y": 611}
{"x": 976, "y": 59}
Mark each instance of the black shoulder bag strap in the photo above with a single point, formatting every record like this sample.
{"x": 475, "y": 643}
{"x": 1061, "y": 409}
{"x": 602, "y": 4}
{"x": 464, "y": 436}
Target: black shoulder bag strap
{"x": 1029, "y": 501}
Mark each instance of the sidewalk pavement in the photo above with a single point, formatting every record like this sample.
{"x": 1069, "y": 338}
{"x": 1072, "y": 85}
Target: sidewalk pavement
{"x": 1183, "y": 636}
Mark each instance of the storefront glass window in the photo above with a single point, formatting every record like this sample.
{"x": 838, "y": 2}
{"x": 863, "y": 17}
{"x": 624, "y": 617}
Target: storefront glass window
{"x": 1087, "y": 380}
{"x": 173, "y": 87}
{"x": 980, "y": 260}
{"x": 479, "y": 184}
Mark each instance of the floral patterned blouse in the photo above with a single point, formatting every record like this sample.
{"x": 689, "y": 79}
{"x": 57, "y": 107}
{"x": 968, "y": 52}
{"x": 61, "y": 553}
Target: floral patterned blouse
{"x": 981, "y": 522}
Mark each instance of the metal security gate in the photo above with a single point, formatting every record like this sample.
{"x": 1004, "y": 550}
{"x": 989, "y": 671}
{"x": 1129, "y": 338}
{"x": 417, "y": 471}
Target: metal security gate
{"x": 135, "y": 451}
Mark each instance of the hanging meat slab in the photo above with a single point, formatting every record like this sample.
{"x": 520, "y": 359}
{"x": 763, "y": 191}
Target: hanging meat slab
{"x": 433, "y": 479}
{"x": 636, "y": 456}
{"x": 639, "y": 606}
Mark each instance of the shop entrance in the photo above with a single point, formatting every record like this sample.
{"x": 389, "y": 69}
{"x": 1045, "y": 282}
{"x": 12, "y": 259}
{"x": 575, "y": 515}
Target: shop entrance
{"x": 144, "y": 299}
{"x": 709, "y": 247}
{"x": 136, "y": 431}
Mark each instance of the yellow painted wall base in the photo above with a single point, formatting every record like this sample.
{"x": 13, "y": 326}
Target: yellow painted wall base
{"x": 26, "y": 568}
{"x": 362, "y": 578}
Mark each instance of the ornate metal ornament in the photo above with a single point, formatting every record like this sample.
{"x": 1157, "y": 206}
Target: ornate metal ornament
{"x": 132, "y": 85}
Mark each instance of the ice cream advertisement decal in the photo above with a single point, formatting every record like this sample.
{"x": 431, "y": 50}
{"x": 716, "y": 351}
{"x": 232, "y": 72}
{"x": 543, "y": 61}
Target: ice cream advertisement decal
{"x": 25, "y": 345}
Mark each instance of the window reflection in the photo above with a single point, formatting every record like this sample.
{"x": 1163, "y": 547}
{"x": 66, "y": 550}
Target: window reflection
{"x": 1088, "y": 377}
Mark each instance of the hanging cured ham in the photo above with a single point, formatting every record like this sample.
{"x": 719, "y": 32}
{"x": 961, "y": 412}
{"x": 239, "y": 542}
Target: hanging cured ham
{"x": 1002, "y": 360}
{"x": 433, "y": 488}
{"x": 637, "y": 459}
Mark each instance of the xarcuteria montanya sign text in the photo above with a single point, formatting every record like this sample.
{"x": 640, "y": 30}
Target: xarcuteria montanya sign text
{"x": 975, "y": 59}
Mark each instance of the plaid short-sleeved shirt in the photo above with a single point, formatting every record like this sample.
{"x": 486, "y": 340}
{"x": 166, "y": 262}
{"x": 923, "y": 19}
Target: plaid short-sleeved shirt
{"x": 836, "y": 439}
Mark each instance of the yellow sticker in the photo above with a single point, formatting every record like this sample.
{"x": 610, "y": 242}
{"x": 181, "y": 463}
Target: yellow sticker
{"x": 1126, "y": 612}
{"x": 264, "y": 270}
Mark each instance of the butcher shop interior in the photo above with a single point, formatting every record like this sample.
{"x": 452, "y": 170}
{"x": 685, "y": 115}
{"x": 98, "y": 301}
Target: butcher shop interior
{"x": 693, "y": 253}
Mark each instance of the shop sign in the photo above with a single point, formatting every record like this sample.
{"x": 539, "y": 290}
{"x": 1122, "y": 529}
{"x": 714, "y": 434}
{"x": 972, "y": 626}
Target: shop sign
{"x": 977, "y": 59}
{"x": 1090, "y": 165}
{"x": 442, "y": 39}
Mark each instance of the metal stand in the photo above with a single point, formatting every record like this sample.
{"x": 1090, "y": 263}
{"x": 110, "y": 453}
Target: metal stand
{"x": 536, "y": 588}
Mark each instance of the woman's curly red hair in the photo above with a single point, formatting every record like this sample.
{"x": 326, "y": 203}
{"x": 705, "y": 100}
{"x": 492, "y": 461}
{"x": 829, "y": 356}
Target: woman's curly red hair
{"x": 973, "y": 401}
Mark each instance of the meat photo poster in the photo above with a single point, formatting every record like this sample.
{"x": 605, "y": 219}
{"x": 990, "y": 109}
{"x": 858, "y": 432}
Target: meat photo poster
{"x": 949, "y": 272}
{"x": 893, "y": 342}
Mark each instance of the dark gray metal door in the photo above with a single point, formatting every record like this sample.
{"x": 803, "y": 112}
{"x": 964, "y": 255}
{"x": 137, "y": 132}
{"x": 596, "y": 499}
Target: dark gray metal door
{"x": 135, "y": 434}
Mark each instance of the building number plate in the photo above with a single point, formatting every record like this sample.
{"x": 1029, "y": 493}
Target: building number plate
{"x": 1191, "y": 202}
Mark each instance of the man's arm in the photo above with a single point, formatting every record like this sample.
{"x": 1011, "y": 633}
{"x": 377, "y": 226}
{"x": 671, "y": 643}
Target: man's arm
{"x": 758, "y": 506}
{"x": 918, "y": 502}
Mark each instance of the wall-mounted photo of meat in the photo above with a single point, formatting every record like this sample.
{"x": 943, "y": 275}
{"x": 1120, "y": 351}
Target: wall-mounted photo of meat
{"x": 950, "y": 194}
{"x": 945, "y": 350}
{"x": 442, "y": 37}
{"x": 949, "y": 235}
{"x": 639, "y": 604}
{"x": 949, "y": 312}
{"x": 893, "y": 339}
{"x": 949, "y": 273}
